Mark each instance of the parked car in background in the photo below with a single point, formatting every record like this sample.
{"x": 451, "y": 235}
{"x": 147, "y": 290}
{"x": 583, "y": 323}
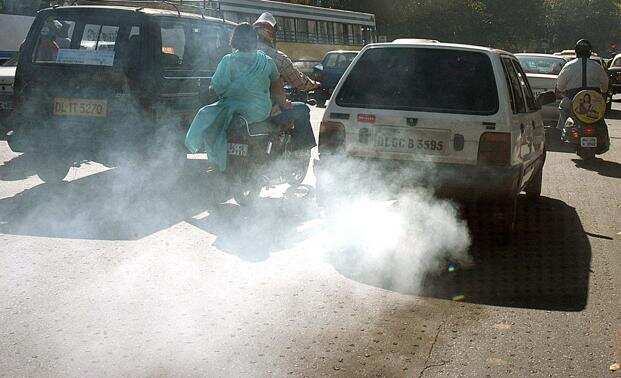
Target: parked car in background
{"x": 462, "y": 119}
{"x": 307, "y": 67}
{"x": 329, "y": 72}
{"x": 542, "y": 71}
{"x": 614, "y": 70}
{"x": 7, "y": 78}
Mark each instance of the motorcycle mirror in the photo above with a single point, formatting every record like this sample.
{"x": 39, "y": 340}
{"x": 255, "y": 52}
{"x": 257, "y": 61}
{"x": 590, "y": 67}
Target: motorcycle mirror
{"x": 546, "y": 98}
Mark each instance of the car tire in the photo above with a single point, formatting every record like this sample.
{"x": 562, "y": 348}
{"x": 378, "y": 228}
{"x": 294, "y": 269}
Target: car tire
{"x": 51, "y": 170}
{"x": 533, "y": 189}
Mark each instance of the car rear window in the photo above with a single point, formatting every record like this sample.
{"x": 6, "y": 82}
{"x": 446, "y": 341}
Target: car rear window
{"x": 541, "y": 65}
{"x": 93, "y": 41}
{"x": 421, "y": 79}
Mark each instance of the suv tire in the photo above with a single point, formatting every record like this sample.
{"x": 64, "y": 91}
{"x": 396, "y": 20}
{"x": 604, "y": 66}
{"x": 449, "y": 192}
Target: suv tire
{"x": 51, "y": 170}
{"x": 533, "y": 188}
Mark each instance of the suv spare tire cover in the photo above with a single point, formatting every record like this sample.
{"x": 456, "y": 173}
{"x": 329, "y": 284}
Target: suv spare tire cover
{"x": 589, "y": 106}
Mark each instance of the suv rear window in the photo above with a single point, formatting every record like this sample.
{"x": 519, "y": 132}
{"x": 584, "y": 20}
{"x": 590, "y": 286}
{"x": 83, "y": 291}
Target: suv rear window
{"x": 421, "y": 79}
{"x": 76, "y": 40}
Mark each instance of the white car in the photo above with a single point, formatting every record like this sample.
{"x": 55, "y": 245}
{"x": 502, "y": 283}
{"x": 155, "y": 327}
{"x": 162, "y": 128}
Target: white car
{"x": 460, "y": 118}
{"x": 542, "y": 71}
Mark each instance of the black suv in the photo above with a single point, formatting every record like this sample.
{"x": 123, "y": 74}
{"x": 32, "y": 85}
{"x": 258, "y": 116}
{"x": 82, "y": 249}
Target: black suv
{"x": 109, "y": 83}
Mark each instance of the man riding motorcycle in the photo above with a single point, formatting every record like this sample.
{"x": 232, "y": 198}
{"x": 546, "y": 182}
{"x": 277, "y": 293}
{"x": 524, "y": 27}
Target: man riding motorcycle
{"x": 570, "y": 80}
{"x": 299, "y": 112}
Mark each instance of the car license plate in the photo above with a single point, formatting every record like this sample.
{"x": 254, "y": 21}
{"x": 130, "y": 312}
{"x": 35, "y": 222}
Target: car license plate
{"x": 236, "y": 149}
{"x": 405, "y": 140}
{"x": 80, "y": 107}
{"x": 588, "y": 141}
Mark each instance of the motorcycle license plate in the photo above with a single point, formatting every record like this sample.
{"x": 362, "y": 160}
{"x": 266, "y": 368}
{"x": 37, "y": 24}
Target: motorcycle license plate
{"x": 236, "y": 149}
{"x": 588, "y": 142}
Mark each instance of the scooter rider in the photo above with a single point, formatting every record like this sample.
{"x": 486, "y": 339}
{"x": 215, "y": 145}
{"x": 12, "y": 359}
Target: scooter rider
{"x": 579, "y": 74}
{"x": 299, "y": 113}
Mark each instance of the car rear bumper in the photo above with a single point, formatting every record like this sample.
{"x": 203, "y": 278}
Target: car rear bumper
{"x": 456, "y": 181}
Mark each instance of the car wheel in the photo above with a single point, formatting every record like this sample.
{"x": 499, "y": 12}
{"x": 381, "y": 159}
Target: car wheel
{"x": 51, "y": 170}
{"x": 533, "y": 189}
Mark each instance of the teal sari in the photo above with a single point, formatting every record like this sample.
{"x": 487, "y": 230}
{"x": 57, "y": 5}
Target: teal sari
{"x": 243, "y": 89}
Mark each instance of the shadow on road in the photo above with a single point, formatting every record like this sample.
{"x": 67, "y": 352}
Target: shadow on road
{"x": 130, "y": 204}
{"x": 603, "y": 167}
{"x": 118, "y": 204}
{"x": 614, "y": 113}
{"x": 18, "y": 168}
{"x": 253, "y": 233}
{"x": 554, "y": 143}
{"x": 546, "y": 267}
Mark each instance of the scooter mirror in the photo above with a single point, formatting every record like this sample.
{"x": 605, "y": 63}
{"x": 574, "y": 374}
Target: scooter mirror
{"x": 546, "y": 98}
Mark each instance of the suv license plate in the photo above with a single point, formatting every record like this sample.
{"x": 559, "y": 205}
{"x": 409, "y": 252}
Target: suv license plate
{"x": 588, "y": 142}
{"x": 236, "y": 149}
{"x": 389, "y": 139}
{"x": 80, "y": 107}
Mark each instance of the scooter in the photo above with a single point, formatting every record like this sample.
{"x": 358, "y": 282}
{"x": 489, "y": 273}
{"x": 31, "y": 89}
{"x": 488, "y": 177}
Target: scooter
{"x": 261, "y": 155}
{"x": 585, "y": 128}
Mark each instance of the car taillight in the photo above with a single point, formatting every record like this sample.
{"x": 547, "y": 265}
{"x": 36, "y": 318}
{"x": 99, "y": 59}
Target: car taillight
{"x": 495, "y": 149}
{"x": 331, "y": 136}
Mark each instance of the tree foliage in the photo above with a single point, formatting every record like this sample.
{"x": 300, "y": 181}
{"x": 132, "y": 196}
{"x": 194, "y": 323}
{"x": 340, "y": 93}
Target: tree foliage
{"x": 525, "y": 25}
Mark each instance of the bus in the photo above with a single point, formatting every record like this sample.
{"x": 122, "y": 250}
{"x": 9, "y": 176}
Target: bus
{"x": 305, "y": 33}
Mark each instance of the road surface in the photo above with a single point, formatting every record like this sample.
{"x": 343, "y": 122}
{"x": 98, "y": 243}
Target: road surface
{"x": 135, "y": 271}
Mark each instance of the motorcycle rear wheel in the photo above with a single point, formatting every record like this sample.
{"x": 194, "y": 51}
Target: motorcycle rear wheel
{"x": 586, "y": 153}
{"x": 246, "y": 195}
{"x": 299, "y": 167}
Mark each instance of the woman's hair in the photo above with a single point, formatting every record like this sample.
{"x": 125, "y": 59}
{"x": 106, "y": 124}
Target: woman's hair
{"x": 244, "y": 37}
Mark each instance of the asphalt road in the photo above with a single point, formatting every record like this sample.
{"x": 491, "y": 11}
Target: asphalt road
{"x": 132, "y": 271}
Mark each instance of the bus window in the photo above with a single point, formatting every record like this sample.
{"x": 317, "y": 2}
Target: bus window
{"x": 331, "y": 32}
{"x": 280, "y": 32}
{"x": 312, "y": 31}
{"x": 301, "y": 30}
{"x": 350, "y": 34}
{"x": 339, "y": 34}
{"x": 357, "y": 34}
{"x": 288, "y": 27}
{"x": 322, "y": 27}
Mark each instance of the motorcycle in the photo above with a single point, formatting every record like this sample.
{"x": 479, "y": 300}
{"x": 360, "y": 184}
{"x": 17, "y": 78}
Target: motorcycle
{"x": 261, "y": 155}
{"x": 585, "y": 128}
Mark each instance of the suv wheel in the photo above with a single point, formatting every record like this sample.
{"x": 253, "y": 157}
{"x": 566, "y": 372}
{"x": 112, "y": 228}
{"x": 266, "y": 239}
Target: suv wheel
{"x": 533, "y": 188}
{"x": 50, "y": 169}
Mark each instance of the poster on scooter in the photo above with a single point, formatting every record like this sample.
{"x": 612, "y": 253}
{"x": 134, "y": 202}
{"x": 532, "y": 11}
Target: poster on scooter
{"x": 589, "y": 106}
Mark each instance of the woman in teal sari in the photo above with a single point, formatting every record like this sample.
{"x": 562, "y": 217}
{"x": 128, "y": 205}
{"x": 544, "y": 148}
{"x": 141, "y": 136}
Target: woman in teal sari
{"x": 243, "y": 81}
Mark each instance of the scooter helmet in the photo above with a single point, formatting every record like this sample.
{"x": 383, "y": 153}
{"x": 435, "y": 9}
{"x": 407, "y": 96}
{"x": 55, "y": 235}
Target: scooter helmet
{"x": 583, "y": 49}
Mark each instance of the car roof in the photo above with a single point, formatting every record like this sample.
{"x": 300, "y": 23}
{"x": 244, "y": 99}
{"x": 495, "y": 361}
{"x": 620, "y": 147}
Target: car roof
{"x": 440, "y": 45}
{"x": 539, "y": 55}
{"x": 153, "y": 12}
{"x": 342, "y": 52}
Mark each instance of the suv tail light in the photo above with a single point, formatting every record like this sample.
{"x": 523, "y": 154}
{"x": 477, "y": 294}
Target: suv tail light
{"x": 495, "y": 149}
{"x": 331, "y": 136}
